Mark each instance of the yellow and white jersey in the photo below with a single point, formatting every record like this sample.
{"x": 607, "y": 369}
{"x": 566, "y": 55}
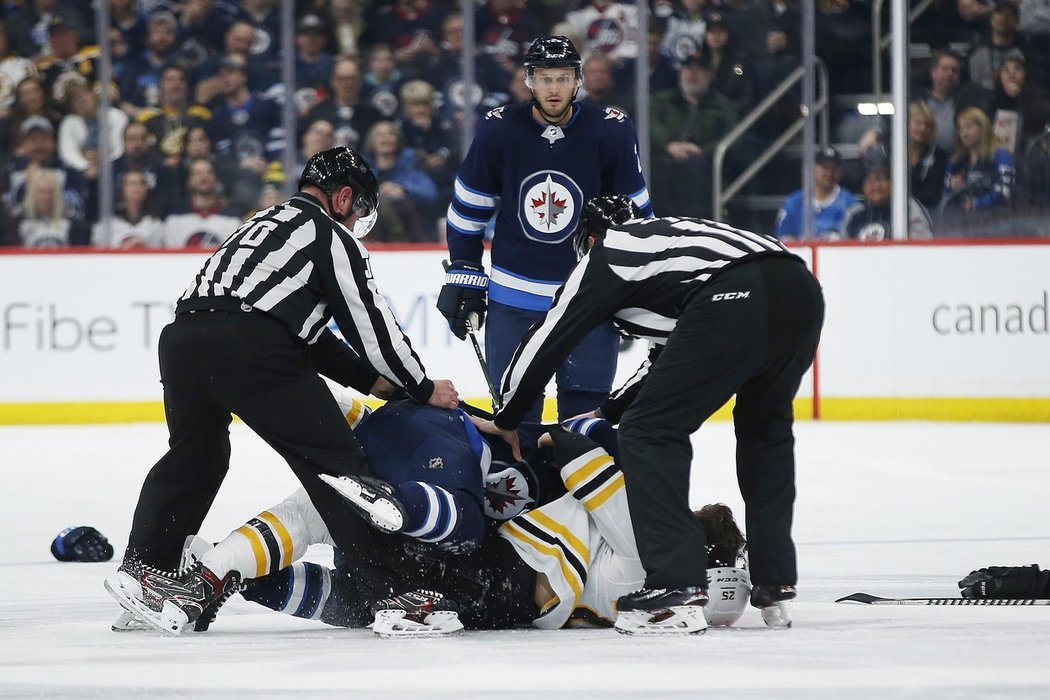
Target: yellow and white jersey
{"x": 583, "y": 542}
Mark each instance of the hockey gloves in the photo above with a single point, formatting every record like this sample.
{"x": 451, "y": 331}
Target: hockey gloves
{"x": 463, "y": 296}
{"x": 1007, "y": 582}
{"x": 81, "y": 544}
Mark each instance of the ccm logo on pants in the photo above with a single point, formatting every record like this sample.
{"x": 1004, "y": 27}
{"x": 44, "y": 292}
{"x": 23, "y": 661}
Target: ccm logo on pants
{"x": 726, "y": 296}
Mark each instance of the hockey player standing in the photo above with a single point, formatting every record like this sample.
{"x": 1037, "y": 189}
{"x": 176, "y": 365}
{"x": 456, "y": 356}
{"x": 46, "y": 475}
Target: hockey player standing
{"x": 249, "y": 337}
{"x": 539, "y": 162}
{"x": 728, "y": 312}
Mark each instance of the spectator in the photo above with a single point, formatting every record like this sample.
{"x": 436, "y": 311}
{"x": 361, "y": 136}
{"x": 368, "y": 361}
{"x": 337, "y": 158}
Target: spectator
{"x": 1034, "y": 25}
{"x": 206, "y": 221}
{"x": 926, "y": 161}
{"x": 1003, "y": 42}
{"x": 519, "y": 90}
{"x": 382, "y": 81}
{"x": 504, "y": 30}
{"x": 598, "y": 85}
{"x": 202, "y": 27}
{"x": 945, "y": 75}
{"x": 445, "y": 73}
{"x": 238, "y": 41}
{"x": 830, "y": 202}
{"x": 663, "y": 69}
{"x": 404, "y": 187}
{"x": 435, "y": 139}
{"x": 980, "y": 175}
{"x": 347, "y": 25}
{"x": 42, "y": 222}
{"x": 68, "y": 62}
{"x": 870, "y": 220}
{"x": 344, "y": 110}
{"x": 313, "y": 62}
{"x": 244, "y": 124}
{"x": 139, "y": 154}
{"x": 408, "y": 27}
{"x": 264, "y": 16}
{"x": 609, "y": 27}
{"x": 37, "y": 151}
{"x": 174, "y": 114}
{"x": 685, "y": 125}
{"x": 30, "y": 101}
{"x": 28, "y": 26}
{"x": 319, "y": 136}
{"x": 1021, "y": 109}
{"x": 135, "y": 222}
{"x": 127, "y": 18}
{"x": 732, "y": 71}
{"x": 685, "y": 29}
{"x": 139, "y": 88}
{"x": 78, "y": 134}
{"x": 240, "y": 185}
{"x": 13, "y": 70}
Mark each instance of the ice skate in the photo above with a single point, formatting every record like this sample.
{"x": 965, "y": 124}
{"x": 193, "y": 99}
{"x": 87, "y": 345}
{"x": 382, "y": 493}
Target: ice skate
{"x": 415, "y": 614}
{"x": 656, "y": 611}
{"x": 371, "y": 497}
{"x": 169, "y": 601}
{"x": 774, "y": 602}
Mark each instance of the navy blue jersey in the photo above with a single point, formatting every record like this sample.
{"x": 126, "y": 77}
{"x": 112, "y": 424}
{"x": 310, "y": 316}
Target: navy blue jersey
{"x": 539, "y": 176}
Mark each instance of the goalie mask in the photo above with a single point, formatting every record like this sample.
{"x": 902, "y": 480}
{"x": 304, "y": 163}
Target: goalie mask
{"x": 728, "y": 592}
{"x": 599, "y": 214}
{"x": 342, "y": 166}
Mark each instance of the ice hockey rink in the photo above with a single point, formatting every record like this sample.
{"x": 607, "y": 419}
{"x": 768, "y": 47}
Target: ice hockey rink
{"x": 893, "y": 509}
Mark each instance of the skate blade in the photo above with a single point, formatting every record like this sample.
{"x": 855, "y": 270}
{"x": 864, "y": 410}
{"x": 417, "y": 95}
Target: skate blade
{"x": 778, "y": 616}
{"x": 135, "y": 606}
{"x": 381, "y": 512}
{"x": 128, "y": 621}
{"x": 390, "y": 624}
{"x": 676, "y": 620}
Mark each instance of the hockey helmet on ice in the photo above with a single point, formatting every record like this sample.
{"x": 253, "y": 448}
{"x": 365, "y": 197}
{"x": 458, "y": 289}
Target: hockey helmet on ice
{"x": 599, "y": 213}
{"x": 728, "y": 592}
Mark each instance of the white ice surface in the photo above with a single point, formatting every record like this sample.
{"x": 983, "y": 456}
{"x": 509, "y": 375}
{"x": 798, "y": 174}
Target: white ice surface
{"x": 895, "y": 509}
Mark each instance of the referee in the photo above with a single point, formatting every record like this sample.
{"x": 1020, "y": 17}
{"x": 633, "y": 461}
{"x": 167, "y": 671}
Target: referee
{"x": 728, "y": 312}
{"x": 249, "y": 338}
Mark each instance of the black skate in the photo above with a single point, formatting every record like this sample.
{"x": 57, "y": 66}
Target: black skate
{"x": 773, "y": 603}
{"x": 652, "y": 611}
{"x": 372, "y": 498}
{"x": 169, "y": 601}
{"x": 418, "y": 613}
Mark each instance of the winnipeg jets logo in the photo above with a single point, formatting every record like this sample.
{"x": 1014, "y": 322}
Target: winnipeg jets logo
{"x": 506, "y": 494}
{"x": 548, "y": 206}
{"x": 435, "y": 463}
{"x": 613, "y": 113}
{"x": 495, "y": 113}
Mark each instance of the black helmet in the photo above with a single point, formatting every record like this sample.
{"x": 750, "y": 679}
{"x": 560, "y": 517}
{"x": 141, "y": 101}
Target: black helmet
{"x": 329, "y": 170}
{"x": 600, "y": 213}
{"x": 553, "y": 52}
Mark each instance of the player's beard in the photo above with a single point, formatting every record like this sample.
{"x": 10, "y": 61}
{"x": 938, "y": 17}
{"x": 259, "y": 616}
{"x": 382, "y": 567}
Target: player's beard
{"x": 552, "y": 118}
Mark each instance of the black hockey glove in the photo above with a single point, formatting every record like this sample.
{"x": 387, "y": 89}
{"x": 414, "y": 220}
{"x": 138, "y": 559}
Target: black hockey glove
{"x": 1007, "y": 582}
{"x": 81, "y": 544}
{"x": 464, "y": 295}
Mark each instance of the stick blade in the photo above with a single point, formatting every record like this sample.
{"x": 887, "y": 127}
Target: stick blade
{"x": 861, "y": 599}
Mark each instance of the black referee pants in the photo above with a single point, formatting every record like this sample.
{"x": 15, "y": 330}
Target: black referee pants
{"x": 751, "y": 331}
{"x": 217, "y": 363}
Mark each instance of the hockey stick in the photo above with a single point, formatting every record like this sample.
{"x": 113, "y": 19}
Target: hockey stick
{"x": 868, "y": 599}
{"x": 497, "y": 400}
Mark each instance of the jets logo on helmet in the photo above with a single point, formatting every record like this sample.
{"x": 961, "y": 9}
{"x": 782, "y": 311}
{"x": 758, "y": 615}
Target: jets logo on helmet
{"x": 549, "y": 205}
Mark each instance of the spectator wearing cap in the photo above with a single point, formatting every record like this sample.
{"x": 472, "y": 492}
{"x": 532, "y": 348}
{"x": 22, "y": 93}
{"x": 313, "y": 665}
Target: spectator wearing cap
{"x": 245, "y": 124}
{"x": 871, "y": 220}
{"x": 686, "y": 123}
{"x": 345, "y": 109}
{"x": 68, "y": 62}
{"x": 139, "y": 87}
{"x": 313, "y": 62}
{"x": 830, "y": 202}
{"x": 79, "y": 132}
{"x": 1003, "y": 42}
{"x": 732, "y": 69}
{"x": 37, "y": 151}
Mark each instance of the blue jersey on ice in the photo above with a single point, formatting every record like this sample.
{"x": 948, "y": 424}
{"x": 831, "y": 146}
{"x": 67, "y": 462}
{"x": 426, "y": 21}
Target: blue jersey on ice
{"x": 538, "y": 177}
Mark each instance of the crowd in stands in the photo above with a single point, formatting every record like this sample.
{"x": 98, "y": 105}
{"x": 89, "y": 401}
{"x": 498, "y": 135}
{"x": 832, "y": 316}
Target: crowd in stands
{"x": 196, "y": 140}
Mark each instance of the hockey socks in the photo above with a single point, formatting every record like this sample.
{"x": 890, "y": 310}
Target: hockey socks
{"x": 301, "y": 590}
{"x": 451, "y": 519}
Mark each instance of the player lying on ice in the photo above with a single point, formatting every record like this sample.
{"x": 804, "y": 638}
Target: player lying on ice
{"x": 563, "y": 563}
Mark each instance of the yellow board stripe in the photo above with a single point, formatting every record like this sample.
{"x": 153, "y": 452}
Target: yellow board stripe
{"x": 597, "y": 499}
{"x": 585, "y": 472}
{"x": 566, "y": 536}
{"x": 258, "y": 548}
{"x": 551, "y": 551}
{"x": 282, "y": 534}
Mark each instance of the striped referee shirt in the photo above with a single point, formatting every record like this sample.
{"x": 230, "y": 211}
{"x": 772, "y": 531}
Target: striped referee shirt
{"x": 639, "y": 276}
{"x": 295, "y": 263}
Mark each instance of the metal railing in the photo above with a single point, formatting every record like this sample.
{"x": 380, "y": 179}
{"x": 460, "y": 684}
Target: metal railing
{"x": 721, "y": 194}
{"x": 879, "y": 41}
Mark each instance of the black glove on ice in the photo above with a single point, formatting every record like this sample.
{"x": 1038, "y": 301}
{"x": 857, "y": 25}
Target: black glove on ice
{"x": 1007, "y": 582}
{"x": 81, "y": 544}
